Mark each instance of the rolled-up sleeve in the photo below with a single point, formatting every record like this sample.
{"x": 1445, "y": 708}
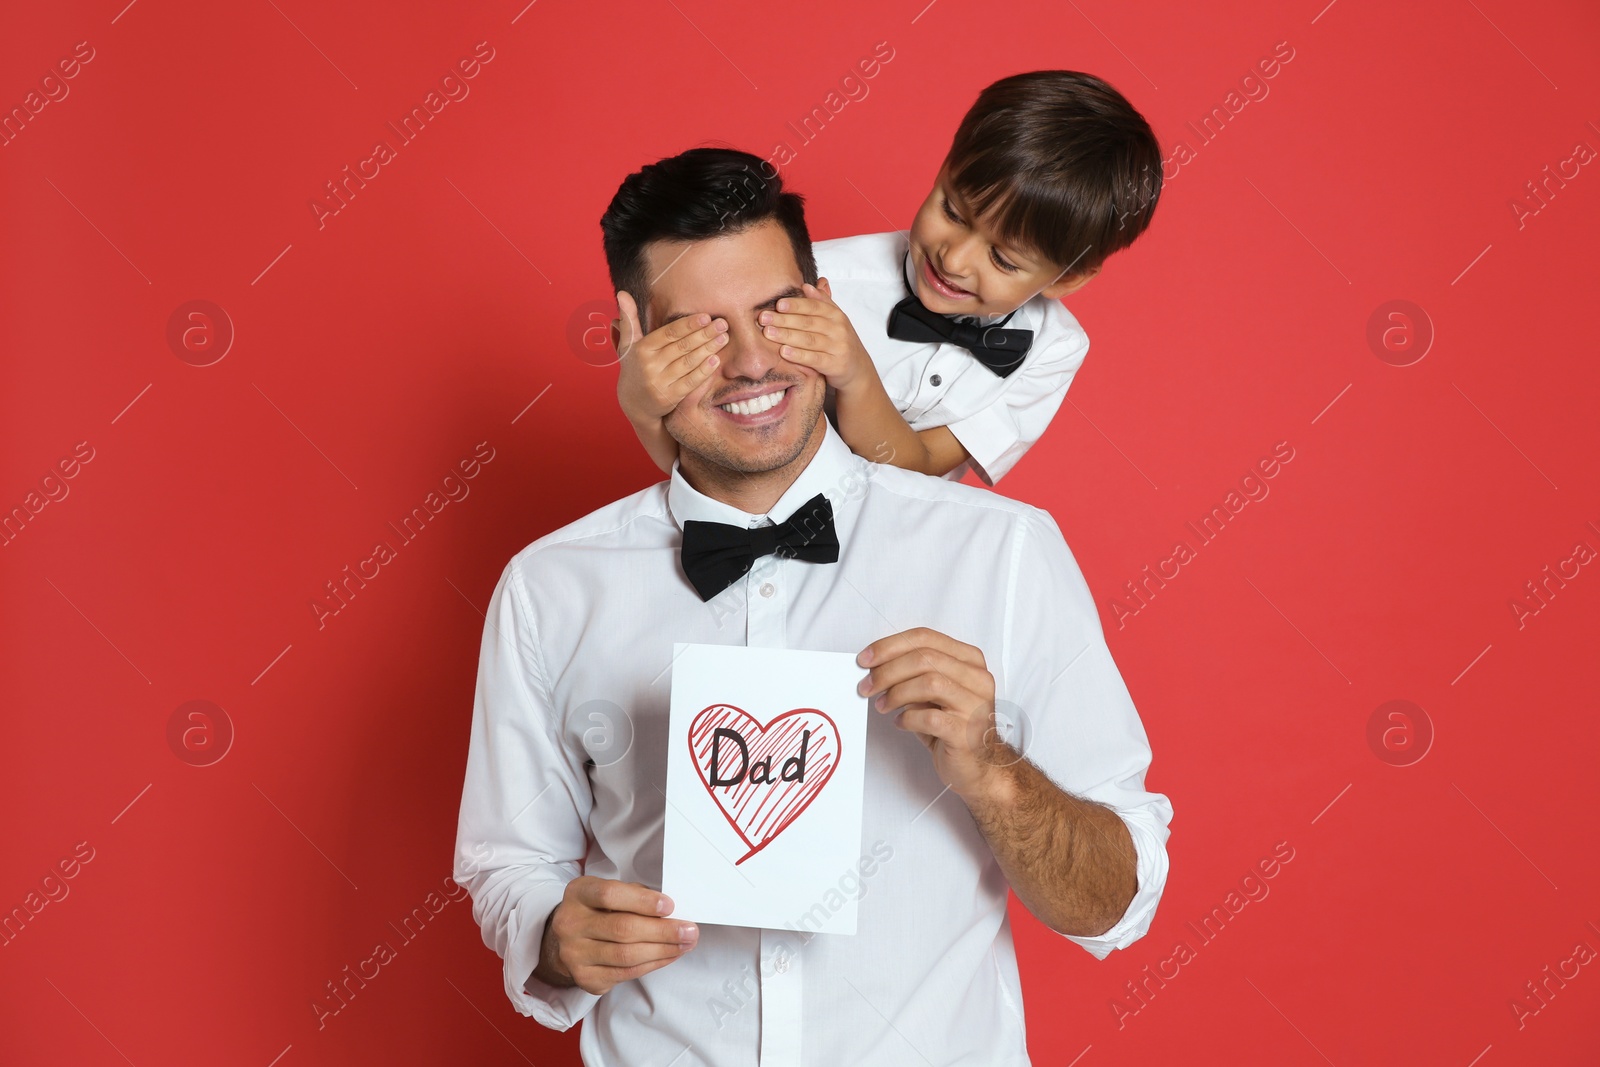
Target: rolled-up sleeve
{"x": 997, "y": 435}
{"x": 521, "y": 835}
{"x": 1076, "y": 720}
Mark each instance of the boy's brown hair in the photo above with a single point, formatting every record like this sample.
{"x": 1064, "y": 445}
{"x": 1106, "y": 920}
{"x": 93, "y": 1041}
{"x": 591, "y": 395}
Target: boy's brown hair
{"x": 1069, "y": 168}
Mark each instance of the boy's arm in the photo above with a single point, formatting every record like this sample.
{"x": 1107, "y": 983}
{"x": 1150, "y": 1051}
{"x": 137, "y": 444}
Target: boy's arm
{"x": 998, "y": 435}
{"x": 816, "y": 333}
{"x": 874, "y": 428}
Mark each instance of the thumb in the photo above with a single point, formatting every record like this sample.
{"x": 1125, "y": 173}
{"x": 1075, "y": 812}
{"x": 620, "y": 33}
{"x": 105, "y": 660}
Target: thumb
{"x": 628, "y": 322}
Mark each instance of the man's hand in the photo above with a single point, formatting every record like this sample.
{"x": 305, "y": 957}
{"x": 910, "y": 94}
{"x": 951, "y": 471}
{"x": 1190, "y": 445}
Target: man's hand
{"x": 604, "y": 932}
{"x": 660, "y": 369}
{"x": 1071, "y": 861}
{"x": 944, "y": 693}
{"x": 816, "y": 333}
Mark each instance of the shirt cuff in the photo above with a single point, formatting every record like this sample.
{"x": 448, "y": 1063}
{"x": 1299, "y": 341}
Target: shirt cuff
{"x": 1148, "y": 842}
{"x": 555, "y": 1007}
{"x": 990, "y": 439}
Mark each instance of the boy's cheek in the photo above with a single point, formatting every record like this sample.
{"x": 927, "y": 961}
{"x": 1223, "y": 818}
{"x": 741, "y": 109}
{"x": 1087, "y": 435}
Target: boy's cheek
{"x": 923, "y": 228}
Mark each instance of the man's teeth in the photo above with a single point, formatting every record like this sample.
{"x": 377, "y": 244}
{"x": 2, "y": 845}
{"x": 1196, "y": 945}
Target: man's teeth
{"x": 755, "y": 405}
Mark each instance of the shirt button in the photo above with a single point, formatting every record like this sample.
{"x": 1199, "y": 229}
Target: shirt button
{"x": 767, "y": 589}
{"x": 935, "y": 380}
{"x": 781, "y": 964}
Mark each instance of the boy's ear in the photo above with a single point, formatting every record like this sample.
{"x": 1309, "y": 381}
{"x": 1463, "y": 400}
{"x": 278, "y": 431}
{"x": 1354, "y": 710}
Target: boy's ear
{"x": 1069, "y": 284}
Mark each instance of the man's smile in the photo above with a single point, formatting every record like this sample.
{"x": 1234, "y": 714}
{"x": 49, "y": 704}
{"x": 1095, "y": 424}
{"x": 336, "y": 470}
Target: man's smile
{"x": 757, "y": 407}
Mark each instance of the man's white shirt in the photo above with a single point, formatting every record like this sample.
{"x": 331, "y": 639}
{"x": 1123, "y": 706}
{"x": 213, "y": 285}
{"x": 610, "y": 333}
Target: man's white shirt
{"x": 567, "y": 766}
{"x": 996, "y": 419}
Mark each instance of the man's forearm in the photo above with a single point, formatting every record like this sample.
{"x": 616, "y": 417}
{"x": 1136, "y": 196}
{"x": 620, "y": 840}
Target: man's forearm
{"x": 1070, "y": 861}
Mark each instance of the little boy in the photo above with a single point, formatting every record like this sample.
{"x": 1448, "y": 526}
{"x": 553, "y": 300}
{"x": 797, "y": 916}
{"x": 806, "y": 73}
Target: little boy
{"x": 947, "y": 348}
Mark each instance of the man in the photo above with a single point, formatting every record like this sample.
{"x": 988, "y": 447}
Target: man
{"x": 957, "y": 600}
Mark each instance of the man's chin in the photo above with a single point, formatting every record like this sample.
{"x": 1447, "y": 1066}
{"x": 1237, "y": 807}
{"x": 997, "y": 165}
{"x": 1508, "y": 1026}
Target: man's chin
{"x": 750, "y": 450}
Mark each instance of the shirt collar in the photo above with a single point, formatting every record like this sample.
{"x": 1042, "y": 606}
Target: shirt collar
{"x": 909, "y": 274}
{"x": 834, "y": 471}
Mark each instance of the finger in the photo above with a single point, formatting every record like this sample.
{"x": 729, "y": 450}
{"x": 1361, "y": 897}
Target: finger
{"x": 679, "y": 329}
{"x": 627, "y": 928}
{"x": 941, "y": 723}
{"x": 612, "y": 976}
{"x": 612, "y": 954}
{"x": 692, "y": 378}
{"x": 932, "y": 688}
{"x": 707, "y": 343}
{"x": 797, "y": 320}
{"x": 608, "y": 894}
{"x": 817, "y": 293}
{"x": 691, "y": 340}
{"x": 806, "y": 339}
{"x": 926, "y": 661}
{"x": 816, "y": 310}
{"x": 628, "y": 313}
{"x": 639, "y": 971}
{"x": 805, "y": 357}
{"x": 887, "y": 648}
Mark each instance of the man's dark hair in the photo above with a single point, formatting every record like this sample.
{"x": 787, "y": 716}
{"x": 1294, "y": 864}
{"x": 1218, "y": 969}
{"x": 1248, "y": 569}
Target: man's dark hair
{"x": 692, "y": 196}
{"x": 1070, "y": 169}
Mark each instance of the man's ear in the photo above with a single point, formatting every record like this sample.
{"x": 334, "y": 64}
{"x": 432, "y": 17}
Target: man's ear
{"x": 1069, "y": 284}
{"x": 822, "y": 283}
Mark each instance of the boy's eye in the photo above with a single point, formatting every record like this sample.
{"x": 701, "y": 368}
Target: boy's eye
{"x": 949, "y": 214}
{"x": 1000, "y": 261}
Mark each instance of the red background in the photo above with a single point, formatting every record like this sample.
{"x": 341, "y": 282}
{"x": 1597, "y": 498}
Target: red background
{"x": 373, "y": 353}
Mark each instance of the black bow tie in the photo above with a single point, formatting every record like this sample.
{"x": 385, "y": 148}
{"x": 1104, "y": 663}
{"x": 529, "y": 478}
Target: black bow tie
{"x": 716, "y": 554}
{"x": 999, "y": 350}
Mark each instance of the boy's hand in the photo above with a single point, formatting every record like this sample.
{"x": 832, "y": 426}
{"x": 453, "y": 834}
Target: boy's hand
{"x": 815, "y": 333}
{"x": 660, "y": 369}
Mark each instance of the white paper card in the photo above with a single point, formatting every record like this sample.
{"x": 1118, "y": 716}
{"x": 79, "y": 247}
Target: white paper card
{"x": 765, "y": 763}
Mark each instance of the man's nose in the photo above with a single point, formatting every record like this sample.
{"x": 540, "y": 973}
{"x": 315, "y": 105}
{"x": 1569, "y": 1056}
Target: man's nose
{"x": 749, "y": 353}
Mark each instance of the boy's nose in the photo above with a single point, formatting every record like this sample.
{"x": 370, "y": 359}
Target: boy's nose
{"x": 959, "y": 256}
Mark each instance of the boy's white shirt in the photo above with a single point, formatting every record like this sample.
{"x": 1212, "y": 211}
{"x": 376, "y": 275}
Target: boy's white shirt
{"x": 996, "y": 419}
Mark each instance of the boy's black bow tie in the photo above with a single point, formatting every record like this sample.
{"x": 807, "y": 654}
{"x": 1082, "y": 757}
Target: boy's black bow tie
{"x": 999, "y": 350}
{"x": 717, "y": 554}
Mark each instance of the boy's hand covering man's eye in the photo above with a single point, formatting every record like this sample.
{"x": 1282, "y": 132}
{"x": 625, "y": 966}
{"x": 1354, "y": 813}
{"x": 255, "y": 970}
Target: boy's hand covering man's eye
{"x": 659, "y": 369}
{"x": 814, "y": 332}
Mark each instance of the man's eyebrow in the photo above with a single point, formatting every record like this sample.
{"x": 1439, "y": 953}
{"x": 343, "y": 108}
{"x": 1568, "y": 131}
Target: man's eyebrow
{"x": 769, "y": 304}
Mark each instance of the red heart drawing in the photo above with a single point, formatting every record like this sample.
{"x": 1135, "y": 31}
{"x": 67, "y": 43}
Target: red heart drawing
{"x": 762, "y": 777}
